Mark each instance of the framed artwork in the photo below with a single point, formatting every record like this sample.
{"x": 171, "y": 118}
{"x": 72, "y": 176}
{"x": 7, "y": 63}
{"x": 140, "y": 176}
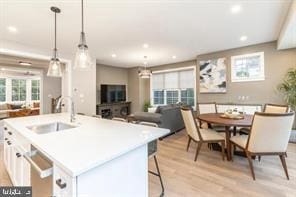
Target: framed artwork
{"x": 212, "y": 76}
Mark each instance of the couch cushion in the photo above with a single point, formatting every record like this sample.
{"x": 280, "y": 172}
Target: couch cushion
{"x": 4, "y": 106}
{"x": 148, "y": 117}
{"x": 16, "y": 106}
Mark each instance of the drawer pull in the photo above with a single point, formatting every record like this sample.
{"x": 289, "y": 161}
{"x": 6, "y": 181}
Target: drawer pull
{"x": 8, "y": 142}
{"x": 5, "y": 139}
{"x": 5, "y": 128}
{"x": 9, "y": 133}
{"x": 18, "y": 155}
{"x": 60, "y": 184}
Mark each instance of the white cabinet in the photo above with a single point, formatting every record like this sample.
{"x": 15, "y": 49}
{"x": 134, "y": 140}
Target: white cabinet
{"x": 14, "y": 147}
{"x": 64, "y": 185}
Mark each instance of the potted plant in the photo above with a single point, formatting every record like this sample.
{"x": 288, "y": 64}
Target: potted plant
{"x": 146, "y": 106}
{"x": 288, "y": 89}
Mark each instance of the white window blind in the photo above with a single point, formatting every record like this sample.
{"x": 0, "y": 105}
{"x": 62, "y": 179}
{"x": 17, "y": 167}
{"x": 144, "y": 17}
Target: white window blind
{"x": 173, "y": 86}
{"x": 186, "y": 79}
{"x": 171, "y": 80}
{"x": 158, "y": 82}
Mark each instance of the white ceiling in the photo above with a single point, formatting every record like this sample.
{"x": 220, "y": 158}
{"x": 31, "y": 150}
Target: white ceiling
{"x": 171, "y": 27}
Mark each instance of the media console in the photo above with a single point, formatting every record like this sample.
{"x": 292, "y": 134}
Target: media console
{"x": 110, "y": 110}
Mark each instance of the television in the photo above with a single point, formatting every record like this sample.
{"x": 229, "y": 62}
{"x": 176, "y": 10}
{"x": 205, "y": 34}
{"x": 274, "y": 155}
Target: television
{"x": 113, "y": 93}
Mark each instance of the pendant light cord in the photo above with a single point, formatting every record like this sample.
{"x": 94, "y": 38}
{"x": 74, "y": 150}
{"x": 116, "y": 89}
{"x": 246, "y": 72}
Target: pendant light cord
{"x": 82, "y": 16}
{"x": 55, "y": 35}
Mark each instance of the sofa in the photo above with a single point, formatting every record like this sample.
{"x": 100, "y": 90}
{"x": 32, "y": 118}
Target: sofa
{"x": 168, "y": 117}
{"x": 17, "y": 110}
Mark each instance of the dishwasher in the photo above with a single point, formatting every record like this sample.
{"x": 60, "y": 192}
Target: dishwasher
{"x": 41, "y": 173}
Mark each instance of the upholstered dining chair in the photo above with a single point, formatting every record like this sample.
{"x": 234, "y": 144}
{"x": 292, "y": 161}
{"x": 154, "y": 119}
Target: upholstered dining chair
{"x": 205, "y": 108}
{"x": 200, "y": 135}
{"x": 269, "y": 135}
{"x": 152, "y": 150}
{"x": 275, "y": 108}
{"x": 269, "y": 108}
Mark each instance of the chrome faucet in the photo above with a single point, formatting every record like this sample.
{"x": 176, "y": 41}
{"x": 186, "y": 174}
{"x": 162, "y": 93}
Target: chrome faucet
{"x": 72, "y": 115}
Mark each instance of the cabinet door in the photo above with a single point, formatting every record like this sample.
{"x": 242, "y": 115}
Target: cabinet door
{"x": 64, "y": 185}
{"x": 18, "y": 167}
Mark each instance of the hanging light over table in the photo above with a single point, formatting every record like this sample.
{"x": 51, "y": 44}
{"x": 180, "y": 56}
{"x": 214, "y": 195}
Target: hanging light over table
{"x": 144, "y": 73}
{"x": 82, "y": 59}
{"x": 54, "y": 69}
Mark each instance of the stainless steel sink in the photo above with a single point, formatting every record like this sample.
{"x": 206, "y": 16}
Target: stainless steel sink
{"x": 51, "y": 127}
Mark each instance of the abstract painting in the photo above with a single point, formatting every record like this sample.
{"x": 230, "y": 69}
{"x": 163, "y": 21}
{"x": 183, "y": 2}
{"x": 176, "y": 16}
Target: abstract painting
{"x": 212, "y": 76}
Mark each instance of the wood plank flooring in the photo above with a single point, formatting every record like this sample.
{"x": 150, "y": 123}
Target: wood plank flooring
{"x": 210, "y": 175}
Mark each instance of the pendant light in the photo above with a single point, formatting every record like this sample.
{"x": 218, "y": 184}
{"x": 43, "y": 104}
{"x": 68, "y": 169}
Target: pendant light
{"x": 145, "y": 74}
{"x": 82, "y": 59}
{"x": 54, "y": 69}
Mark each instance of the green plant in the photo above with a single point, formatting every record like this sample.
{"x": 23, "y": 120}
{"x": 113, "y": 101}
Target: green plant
{"x": 146, "y": 106}
{"x": 288, "y": 88}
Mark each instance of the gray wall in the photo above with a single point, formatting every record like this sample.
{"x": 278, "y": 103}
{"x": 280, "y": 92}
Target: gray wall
{"x": 110, "y": 75}
{"x": 276, "y": 65}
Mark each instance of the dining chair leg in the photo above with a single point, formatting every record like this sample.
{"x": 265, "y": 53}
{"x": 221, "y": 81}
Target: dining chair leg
{"x": 223, "y": 150}
{"x": 197, "y": 150}
{"x": 188, "y": 144}
{"x": 283, "y": 160}
{"x": 286, "y": 154}
{"x": 250, "y": 164}
{"x": 259, "y": 158}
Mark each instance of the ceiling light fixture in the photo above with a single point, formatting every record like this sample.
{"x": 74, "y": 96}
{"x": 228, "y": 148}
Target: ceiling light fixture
{"x": 113, "y": 55}
{"x": 82, "y": 59}
{"x": 243, "y": 38}
{"x": 145, "y": 46}
{"x": 174, "y": 57}
{"x": 25, "y": 63}
{"x": 236, "y": 9}
{"x": 54, "y": 69}
{"x": 3, "y": 69}
{"x": 145, "y": 74}
{"x": 12, "y": 29}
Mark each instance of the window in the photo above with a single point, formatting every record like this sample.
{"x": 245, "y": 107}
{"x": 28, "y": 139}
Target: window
{"x": 158, "y": 97}
{"x": 35, "y": 90}
{"x": 173, "y": 86}
{"x": 249, "y": 67}
{"x": 2, "y": 90}
{"x": 18, "y": 90}
{"x": 187, "y": 96}
{"x": 172, "y": 96}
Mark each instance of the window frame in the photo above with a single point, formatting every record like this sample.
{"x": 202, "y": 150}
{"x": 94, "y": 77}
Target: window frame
{"x": 193, "y": 67}
{"x": 234, "y": 78}
{"x": 31, "y": 92}
{"x": 5, "y": 87}
{"x": 19, "y": 93}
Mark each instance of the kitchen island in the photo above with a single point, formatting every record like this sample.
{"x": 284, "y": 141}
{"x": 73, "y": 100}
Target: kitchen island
{"x": 90, "y": 157}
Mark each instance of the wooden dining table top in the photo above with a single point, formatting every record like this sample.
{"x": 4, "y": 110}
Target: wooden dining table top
{"x": 216, "y": 118}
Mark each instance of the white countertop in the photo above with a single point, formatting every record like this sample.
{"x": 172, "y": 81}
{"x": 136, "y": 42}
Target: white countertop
{"x": 93, "y": 143}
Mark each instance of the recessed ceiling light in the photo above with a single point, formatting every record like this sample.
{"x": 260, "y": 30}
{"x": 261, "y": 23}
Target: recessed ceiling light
{"x": 25, "y": 63}
{"x": 3, "y": 69}
{"x": 243, "y": 38}
{"x": 113, "y": 55}
{"x": 145, "y": 46}
{"x": 12, "y": 29}
{"x": 236, "y": 9}
{"x": 174, "y": 57}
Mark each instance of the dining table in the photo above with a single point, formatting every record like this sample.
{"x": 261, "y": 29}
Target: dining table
{"x": 220, "y": 120}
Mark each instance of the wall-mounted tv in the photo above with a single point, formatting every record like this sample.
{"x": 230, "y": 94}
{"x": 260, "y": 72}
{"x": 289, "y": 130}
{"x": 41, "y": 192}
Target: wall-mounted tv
{"x": 113, "y": 93}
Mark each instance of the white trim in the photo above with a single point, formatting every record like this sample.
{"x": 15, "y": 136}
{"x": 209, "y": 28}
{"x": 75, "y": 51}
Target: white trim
{"x": 260, "y": 78}
{"x": 174, "y": 70}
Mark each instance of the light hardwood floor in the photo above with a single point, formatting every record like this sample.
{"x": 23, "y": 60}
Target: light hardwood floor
{"x": 210, "y": 176}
